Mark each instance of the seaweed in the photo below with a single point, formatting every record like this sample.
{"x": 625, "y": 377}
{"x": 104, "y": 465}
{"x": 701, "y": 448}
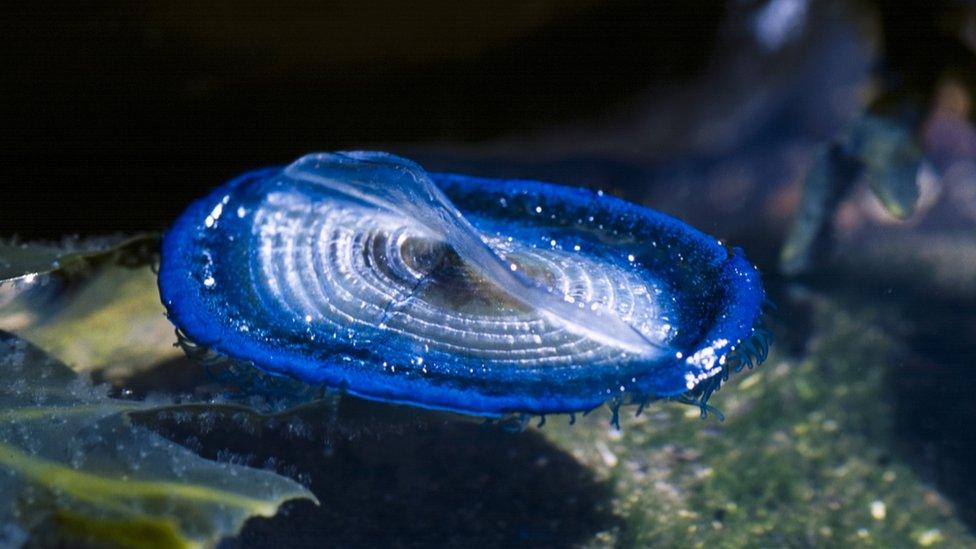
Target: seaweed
{"x": 77, "y": 468}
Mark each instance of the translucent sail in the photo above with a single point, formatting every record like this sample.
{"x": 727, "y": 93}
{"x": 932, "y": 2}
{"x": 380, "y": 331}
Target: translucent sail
{"x": 401, "y": 186}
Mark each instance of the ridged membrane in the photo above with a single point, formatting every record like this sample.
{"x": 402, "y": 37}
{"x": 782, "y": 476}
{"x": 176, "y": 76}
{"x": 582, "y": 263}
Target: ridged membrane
{"x": 355, "y": 270}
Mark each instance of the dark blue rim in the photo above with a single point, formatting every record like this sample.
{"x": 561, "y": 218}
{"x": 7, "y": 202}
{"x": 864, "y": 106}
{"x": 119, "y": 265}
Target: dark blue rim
{"x": 741, "y": 310}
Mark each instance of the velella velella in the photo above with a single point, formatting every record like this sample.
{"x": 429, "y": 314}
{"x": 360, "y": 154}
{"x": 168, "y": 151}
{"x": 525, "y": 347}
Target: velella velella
{"x": 361, "y": 271}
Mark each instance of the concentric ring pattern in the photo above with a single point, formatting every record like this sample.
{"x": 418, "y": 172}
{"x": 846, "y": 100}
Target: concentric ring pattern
{"x": 369, "y": 288}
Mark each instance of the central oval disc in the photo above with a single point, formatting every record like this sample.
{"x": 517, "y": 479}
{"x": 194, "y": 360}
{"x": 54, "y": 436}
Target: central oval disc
{"x": 386, "y": 293}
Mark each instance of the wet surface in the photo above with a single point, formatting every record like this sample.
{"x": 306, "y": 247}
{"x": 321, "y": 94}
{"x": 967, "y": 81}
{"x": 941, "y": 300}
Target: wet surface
{"x": 859, "y": 429}
{"x": 409, "y": 479}
{"x": 934, "y": 411}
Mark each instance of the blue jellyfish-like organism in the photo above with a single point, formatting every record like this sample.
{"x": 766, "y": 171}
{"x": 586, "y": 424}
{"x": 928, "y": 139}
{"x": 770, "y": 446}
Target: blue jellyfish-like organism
{"x": 362, "y": 272}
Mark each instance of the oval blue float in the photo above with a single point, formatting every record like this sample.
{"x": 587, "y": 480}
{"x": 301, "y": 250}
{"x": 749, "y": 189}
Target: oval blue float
{"x": 361, "y": 271}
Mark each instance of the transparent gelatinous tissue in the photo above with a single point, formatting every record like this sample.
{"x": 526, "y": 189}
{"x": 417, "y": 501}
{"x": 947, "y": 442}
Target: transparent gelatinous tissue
{"x": 361, "y": 271}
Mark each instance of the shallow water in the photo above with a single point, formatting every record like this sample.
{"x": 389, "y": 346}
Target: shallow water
{"x": 842, "y": 436}
{"x": 858, "y": 430}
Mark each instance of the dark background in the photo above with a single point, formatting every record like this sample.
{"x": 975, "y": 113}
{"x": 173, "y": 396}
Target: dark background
{"x": 115, "y": 114}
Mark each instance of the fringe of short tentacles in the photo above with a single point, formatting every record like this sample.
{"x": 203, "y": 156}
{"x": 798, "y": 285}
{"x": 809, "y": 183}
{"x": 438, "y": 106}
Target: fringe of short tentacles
{"x": 246, "y": 381}
{"x": 749, "y": 353}
{"x": 250, "y": 380}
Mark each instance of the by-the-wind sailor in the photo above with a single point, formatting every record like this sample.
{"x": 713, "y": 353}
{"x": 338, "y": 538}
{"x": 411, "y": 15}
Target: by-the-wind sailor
{"x": 361, "y": 271}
